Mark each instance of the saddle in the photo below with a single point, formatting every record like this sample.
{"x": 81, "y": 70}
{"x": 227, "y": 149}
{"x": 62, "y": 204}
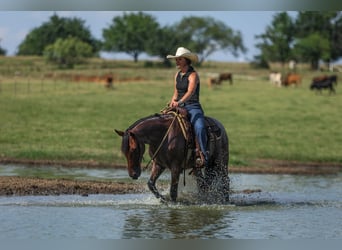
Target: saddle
{"x": 193, "y": 152}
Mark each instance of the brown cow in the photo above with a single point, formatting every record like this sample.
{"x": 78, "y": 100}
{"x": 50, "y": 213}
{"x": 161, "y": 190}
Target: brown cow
{"x": 226, "y": 76}
{"x": 109, "y": 82}
{"x": 212, "y": 81}
{"x": 292, "y": 78}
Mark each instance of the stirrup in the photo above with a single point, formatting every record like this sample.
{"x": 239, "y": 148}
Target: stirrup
{"x": 200, "y": 160}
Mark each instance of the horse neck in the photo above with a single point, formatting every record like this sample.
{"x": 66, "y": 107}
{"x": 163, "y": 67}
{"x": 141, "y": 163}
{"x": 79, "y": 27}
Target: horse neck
{"x": 151, "y": 129}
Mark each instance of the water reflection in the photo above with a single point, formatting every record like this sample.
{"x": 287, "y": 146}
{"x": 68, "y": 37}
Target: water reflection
{"x": 176, "y": 223}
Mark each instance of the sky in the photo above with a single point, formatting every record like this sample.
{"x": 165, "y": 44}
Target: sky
{"x": 15, "y": 25}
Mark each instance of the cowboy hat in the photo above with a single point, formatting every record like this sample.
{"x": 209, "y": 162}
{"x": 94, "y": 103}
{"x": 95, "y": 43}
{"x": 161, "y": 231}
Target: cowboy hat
{"x": 183, "y": 52}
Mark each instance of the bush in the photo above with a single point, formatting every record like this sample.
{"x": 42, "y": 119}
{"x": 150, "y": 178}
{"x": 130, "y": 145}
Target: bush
{"x": 67, "y": 52}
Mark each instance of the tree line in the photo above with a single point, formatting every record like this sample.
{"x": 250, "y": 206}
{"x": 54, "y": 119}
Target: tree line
{"x": 309, "y": 37}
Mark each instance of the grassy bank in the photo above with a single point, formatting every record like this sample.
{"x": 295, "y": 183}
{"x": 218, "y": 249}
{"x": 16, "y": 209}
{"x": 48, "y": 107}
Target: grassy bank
{"x": 54, "y": 119}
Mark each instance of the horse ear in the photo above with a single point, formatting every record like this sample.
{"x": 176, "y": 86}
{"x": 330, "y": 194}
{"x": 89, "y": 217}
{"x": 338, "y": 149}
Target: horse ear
{"x": 121, "y": 133}
{"x": 132, "y": 140}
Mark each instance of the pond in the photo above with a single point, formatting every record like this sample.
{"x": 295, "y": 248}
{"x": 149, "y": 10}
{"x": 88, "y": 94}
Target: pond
{"x": 287, "y": 207}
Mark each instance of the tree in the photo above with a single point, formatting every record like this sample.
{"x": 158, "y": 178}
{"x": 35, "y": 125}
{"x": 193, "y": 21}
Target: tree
{"x": 308, "y": 22}
{"x": 207, "y": 35}
{"x": 130, "y": 33}
{"x": 2, "y": 51}
{"x": 336, "y": 37}
{"x": 67, "y": 52}
{"x": 328, "y": 25}
{"x": 56, "y": 28}
{"x": 313, "y": 48}
{"x": 167, "y": 39}
{"x": 277, "y": 41}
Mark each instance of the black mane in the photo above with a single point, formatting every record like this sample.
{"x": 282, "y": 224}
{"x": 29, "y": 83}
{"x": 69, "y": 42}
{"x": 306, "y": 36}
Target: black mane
{"x": 125, "y": 143}
{"x": 146, "y": 118}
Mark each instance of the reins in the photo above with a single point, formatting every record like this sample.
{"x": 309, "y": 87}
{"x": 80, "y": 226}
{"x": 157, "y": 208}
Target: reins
{"x": 182, "y": 125}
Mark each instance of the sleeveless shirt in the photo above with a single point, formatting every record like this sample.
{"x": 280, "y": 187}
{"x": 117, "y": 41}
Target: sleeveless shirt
{"x": 182, "y": 84}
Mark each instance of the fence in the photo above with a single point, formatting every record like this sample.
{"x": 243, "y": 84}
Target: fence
{"x": 27, "y": 84}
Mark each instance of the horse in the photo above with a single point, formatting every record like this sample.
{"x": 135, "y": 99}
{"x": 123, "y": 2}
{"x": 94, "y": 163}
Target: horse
{"x": 169, "y": 149}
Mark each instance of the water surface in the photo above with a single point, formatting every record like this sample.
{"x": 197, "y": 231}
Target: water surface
{"x": 288, "y": 207}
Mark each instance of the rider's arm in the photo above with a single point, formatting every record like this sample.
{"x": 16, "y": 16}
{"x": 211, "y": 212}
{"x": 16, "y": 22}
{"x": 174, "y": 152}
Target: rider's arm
{"x": 173, "y": 102}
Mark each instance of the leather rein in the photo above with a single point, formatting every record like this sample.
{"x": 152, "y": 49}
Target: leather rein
{"x": 181, "y": 122}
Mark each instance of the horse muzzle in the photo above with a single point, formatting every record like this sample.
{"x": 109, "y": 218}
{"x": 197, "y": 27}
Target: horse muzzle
{"x": 135, "y": 175}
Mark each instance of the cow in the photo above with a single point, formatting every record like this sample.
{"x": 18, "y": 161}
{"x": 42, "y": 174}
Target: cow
{"x": 275, "y": 78}
{"x": 323, "y": 84}
{"x": 333, "y": 78}
{"x": 226, "y": 76}
{"x": 319, "y": 78}
{"x": 109, "y": 82}
{"x": 212, "y": 81}
{"x": 292, "y": 78}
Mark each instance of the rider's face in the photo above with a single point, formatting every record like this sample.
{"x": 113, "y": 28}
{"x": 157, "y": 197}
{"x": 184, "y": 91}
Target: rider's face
{"x": 181, "y": 62}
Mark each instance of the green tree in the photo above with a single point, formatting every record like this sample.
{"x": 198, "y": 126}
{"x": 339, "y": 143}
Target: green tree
{"x": 166, "y": 40}
{"x": 57, "y": 28}
{"x": 67, "y": 52}
{"x": 336, "y": 37}
{"x": 313, "y": 48}
{"x": 2, "y": 51}
{"x": 277, "y": 41}
{"x": 205, "y": 35}
{"x": 328, "y": 24}
{"x": 308, "y": 22}
{"x": 130, "y": 33}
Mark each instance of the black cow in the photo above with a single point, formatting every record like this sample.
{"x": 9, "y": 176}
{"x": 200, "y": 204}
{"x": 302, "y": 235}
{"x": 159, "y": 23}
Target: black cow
{"x": 323, "y": 84}
{"x": 333, "y": 78}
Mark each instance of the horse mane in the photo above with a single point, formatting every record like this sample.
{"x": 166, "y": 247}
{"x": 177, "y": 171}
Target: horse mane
{"x": 125, "y": 142}
{"x": 141, "y": 120}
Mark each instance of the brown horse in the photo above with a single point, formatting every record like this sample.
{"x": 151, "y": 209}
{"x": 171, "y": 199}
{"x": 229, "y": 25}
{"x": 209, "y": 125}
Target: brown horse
{"x": 168, "y": 148}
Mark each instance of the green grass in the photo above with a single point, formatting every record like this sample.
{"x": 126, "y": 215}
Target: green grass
{"x": 288, "y": 123}
{"x": 58, "y": 120}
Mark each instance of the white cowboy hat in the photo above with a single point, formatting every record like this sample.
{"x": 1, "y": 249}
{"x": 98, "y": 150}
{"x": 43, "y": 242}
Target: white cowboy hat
{"x": 183, "y": 52}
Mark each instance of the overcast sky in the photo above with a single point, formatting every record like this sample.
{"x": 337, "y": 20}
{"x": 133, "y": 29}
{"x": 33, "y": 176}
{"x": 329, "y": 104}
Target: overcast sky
{"x": 15, "y": 25}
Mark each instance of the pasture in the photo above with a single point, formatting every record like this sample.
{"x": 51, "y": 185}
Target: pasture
{"x": 52, "y": 118}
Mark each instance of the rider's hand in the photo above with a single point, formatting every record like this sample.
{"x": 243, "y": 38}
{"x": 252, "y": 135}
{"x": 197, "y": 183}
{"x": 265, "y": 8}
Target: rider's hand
{"x": 173, "y": 104}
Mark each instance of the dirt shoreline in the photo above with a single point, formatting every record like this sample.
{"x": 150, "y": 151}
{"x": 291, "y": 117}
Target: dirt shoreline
{"x": 20, "y": 186}
{"x": 23, "y": 186}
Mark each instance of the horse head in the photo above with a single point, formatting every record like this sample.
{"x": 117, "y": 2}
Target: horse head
{"x": 133, "y": 150}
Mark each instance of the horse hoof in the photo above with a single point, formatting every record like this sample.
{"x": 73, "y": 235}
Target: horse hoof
{"x": 162, "y": 199}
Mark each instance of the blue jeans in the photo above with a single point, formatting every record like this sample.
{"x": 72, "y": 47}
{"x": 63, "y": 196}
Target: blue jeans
{"x": 197, "y": 120}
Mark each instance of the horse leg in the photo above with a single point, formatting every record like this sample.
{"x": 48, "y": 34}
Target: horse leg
{"x": 155, "y": 173}
{"x": 202, "y": 185}
{"x": 175, "y": 173}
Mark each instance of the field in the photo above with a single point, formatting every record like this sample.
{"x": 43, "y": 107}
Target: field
{"x": 46, "y": 116}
